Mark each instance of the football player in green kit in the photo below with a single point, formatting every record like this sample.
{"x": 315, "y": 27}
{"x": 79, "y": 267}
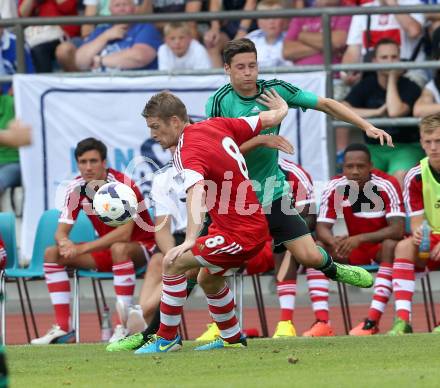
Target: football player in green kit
{"x": 288, "y": 229}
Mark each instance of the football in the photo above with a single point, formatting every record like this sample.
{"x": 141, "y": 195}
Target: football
{"x": 115, "y": 203}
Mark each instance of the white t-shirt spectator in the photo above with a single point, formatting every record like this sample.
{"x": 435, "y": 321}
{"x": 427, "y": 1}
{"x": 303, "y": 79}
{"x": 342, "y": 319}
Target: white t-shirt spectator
{"x": 195, "y": 58}
{"x": 8, "y": 9}
{"x": 385, "y": 26}
{"x": 102, "y": 6}
{"x": 269, "y": 55}
{"x": 169, "y": 198}
{"x": 433, "y": 89}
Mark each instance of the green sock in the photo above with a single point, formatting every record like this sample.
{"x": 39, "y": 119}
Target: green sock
{"x": 327, "y": 267}
{"x": 190, "y": 284}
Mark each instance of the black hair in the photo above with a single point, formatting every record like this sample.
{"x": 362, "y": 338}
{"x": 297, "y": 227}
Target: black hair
{"x": 358, "y": 147}
{"x": 382, "y": 42}
{"x": 238, "y": 46}
{"x": 91, "y": 144}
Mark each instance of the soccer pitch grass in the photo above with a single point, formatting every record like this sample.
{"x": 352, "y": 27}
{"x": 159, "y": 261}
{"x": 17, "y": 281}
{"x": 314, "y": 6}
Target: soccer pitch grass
{"x": 378, "y": 361}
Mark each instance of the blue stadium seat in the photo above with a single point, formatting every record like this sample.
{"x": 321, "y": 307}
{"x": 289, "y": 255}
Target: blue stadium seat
{"x": 44, "y": 237}
{"x": 7, "y": 233}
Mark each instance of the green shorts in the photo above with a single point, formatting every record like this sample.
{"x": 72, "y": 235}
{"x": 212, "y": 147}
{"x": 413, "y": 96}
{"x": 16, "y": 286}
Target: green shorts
{"x": 400, "y": 158}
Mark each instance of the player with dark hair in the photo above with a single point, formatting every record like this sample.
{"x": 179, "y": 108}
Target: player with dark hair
{"x": 240, "y": 98}
{"x": 215, "y": 174}
{"x": 372, "y": 206}
{"x": 118, "y": 249}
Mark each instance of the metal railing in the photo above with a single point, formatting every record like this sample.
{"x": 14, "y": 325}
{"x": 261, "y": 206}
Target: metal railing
{"x": 325, "y": 13}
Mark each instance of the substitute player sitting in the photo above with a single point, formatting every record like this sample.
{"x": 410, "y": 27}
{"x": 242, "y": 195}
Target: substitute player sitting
{"x": 422, "y": 198}
{"x": 372, "y": 207}
{"x": 119, "y": 250}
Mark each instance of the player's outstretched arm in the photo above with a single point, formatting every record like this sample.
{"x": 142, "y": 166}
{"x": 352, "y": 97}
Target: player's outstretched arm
{"x": 341, "y": 112}
{"x": 278, "y": 108}
{"x": 270, "y": 141}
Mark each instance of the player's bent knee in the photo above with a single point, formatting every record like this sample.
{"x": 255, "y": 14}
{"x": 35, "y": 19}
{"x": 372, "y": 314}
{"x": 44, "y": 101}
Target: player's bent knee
{"x": 210, "y": 284}
{"x": 172, "y": 266}
{"x": 405, "y": 249}
{"x": 119, "y": 252}
{"x": 389, "y": 244}
{"x": 51, "y": 254}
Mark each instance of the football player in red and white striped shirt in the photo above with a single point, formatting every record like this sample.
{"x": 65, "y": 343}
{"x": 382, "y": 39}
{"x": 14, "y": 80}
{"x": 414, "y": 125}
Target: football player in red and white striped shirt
{"x": 119, "y": 250}
{"x": 371, "y": 204}
{"x": 214, "y": 174}
{"x": 422, "y": 198}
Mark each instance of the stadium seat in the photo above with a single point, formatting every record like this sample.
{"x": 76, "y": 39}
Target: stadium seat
{"x": 44, "y": 237}
{"x": 7, "y": 233}
{"x": 95, "y": 277}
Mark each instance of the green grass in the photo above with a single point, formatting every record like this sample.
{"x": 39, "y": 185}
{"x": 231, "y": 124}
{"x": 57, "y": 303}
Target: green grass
{"x": 377, "y": 361}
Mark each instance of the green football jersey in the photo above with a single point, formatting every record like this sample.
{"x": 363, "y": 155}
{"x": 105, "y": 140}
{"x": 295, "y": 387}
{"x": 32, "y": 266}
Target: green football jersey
{"x": 262, "y": 162}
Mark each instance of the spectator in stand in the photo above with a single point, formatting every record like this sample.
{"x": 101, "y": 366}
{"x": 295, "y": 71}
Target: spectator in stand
{"x": 222, "y": 32}
{"x": 386, "y": 93}
{"x": 66, "y": 51}
{"x": 365, "y": 32}
{"x": 16, "y": 134}
{"x": 181, "y": 50}
{"x": 429, "y": 102}
{"x": 10, "y": 174}
{"x": 8, "y": 60}
{"x": 8, "y": 9}
{"x": 119, "y": 250}
{"x": 304, "y": 39}
{"x": 121, "y": 46}
{"x": 372, "y": 206}
{"x": 433, "y": 18}
{"x": 167, "y": 6}
{"x": 405, "y": 29}
{"x": 422, "y": 196}
{"x": 269, "y": 37}
{"x": 44, "y": 40}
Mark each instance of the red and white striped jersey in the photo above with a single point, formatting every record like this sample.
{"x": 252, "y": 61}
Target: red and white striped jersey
{"x": 413, "y": 191}
{"x": 364, "y": 210}
{"x": 300, "y": 183}
{"x": 208, "y": 152}
{"x": 77, "y": 198}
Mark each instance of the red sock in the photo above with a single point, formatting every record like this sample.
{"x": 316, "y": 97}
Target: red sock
{"x": 382, "y": 291}
{"x": 171, "y": 305}
{"x": 124, "y": 281}
{"x": 286, "y": 295}
{"x": 318, "y": 291}
{"x": 221, "y": 308}
{"x": 403, "y": 287}
{"x": 58, "y": 285}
